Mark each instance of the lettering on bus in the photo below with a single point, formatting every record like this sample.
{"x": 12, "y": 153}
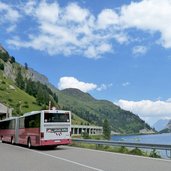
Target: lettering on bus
{"x": 55, "y": 130}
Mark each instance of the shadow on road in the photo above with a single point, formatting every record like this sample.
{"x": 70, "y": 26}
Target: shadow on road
{"x": 51, "y": 148}
{"x": 46, "y": 148}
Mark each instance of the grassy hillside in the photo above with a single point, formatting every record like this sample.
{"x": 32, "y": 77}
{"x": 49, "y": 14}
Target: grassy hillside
{"x": 21, "y": 102}
{"x": 12, "y": 96}
{"x": 95, "y": 111}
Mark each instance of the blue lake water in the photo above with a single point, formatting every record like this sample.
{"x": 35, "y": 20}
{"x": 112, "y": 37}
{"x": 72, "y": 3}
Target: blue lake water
{"x": 151, "y": 139}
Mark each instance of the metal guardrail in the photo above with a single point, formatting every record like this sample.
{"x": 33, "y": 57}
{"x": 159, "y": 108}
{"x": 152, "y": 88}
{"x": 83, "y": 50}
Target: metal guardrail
{"x": 166, "y": 147}
{"x": 124, "y": 144}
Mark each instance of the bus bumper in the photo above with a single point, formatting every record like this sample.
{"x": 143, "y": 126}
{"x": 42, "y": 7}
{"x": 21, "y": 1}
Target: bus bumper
{"x": 55, "y": 142}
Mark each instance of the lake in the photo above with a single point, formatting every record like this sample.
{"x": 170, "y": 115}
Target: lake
{"x": 151, "y": 139}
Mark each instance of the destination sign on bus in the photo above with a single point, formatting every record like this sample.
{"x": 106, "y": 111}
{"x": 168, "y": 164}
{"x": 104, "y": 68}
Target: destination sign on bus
{"x": 54, "y": 130}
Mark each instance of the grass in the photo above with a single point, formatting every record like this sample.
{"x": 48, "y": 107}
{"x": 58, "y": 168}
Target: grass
{"x": 135, "y": 151}
{"x": 95, "y": 137}
{"x": 76, "y": 120}
{"x": 12, "y": 96}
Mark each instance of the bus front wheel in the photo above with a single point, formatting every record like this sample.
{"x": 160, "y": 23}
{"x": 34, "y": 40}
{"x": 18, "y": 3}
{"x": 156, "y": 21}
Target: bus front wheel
{"x": 29, "y": 143}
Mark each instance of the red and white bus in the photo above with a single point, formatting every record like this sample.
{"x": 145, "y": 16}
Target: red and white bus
{"x": 39, "y": 128}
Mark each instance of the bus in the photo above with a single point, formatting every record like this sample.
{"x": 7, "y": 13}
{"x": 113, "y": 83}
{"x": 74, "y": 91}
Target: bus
{"x": 41, "y": 128}
{"x": 8, "y": 130}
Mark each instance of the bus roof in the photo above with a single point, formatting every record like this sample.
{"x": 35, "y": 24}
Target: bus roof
{"x": 7, "y": 119}
{"x": 47, "y": 111}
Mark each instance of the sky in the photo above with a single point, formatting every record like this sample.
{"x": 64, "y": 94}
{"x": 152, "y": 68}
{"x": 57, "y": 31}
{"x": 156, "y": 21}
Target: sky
{"x": 118, "y": 50}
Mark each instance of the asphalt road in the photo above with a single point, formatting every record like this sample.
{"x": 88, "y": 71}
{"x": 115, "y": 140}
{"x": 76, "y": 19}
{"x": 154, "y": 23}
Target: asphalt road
{"x": 64, "y": 158}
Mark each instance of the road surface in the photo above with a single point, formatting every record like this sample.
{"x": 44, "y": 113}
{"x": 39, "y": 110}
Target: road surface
{"x": 65, "y": 158}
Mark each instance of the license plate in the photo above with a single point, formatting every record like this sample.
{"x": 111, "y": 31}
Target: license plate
{"x": 57, "y": 141}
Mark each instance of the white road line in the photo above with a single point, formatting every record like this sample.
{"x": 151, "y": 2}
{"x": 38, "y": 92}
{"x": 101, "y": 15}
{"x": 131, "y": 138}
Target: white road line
{"x": 70, "y": 161}
{"x": 63, "y": 159}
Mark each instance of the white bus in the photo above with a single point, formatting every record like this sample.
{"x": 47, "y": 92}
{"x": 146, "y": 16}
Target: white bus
{"x": 42, "y": 128}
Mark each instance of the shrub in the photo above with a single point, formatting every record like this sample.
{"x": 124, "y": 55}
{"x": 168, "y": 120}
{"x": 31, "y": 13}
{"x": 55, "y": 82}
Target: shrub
{"x": 154, "y": 154}
{"x": 136, "y": 151}
{"x": 85, "y": 135}
{"x": 2, "y": 89}
{"x": 10, "y": 100}
{"x": 123, "y": 150}
{"x": 1, "y": 66}
{"x": 26, "y": 106}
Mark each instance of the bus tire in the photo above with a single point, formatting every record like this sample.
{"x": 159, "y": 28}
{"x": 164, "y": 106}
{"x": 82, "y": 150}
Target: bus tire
{"x": 29, "y": 143}
{"x": 2, "y": 139}
{"x": 12, "y": 140}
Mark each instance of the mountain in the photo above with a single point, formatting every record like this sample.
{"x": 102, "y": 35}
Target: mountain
{"x": 95, "y": 111}
{"x": 36, "y": 76}
{"x": 167, "y": 129}
{"x": 85, "y": 108}
{"x": 161, "y": 124}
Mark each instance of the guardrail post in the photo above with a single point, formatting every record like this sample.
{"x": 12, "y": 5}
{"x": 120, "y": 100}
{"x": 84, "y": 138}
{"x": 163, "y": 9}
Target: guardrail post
{"x": 168, "y": 155}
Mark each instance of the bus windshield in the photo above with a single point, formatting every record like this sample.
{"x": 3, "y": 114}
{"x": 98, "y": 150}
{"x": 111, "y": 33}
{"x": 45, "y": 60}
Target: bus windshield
{"x": 56, "y": 117}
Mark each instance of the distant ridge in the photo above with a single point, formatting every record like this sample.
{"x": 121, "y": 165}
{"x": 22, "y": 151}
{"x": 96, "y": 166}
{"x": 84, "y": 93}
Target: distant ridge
{"x": 161, "y": 124}
{"x": 168, "y": 128}
{"x": 2, "y": 49}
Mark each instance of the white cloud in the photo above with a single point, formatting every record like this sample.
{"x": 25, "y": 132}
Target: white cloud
{"x": 107, "y": 18}
{"x": 47, "y": 12}
{"x": 75, "y": 30}
{"x": 149, "y": 15}
{"x": 121, "y": 37}
{"x": 96, "y": 51}
{"x": 11, "y": 28}
{"x": 71, "y": 82}
{"x": 147, "y": 109}
{"x": 104, "y": 87}
{"x": 126, "y": 84}
{"x": 139, "y": 50}
{"x": 67, "y": 30}
{"x": 75, "y": 13}
{"x": 29, "y": 7}
{"x": 8, "y": 15}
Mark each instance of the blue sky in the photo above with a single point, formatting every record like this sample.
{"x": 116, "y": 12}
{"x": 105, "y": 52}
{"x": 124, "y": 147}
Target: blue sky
{"x": 115, "y": 50}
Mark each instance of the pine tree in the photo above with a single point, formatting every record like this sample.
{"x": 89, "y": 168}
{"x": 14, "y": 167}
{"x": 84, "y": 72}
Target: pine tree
{"x": 1, "y": 66}
{"x": 106, "y": 129}
{"x": 19, "y": 80}
{"x": 42, "y": 97}
{"x": 12, "y": 59}
{"x": 55, "y": 97}
{"x": 26, "y": 66}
